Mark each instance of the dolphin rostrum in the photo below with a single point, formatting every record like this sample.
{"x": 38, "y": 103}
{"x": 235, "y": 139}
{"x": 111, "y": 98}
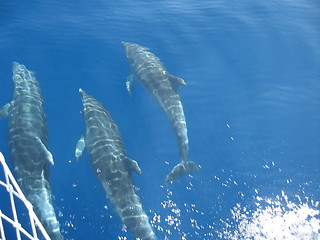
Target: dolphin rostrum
{"x": 148, "y": 68}
{"x": 112, "y": 166}
{"x": 28, "y": 143}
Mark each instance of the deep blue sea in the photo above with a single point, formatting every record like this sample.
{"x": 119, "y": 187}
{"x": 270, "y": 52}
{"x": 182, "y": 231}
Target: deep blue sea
{"x": 252, "y": 104}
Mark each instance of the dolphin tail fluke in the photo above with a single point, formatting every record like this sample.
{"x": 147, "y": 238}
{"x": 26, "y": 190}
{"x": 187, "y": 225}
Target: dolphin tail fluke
{"x": 180, "y": 169}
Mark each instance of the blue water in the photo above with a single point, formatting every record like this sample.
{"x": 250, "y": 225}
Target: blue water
{"x": 252, "y": 104}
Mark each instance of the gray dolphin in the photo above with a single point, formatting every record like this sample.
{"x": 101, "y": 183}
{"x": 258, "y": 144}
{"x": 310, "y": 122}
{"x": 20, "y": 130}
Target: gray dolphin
{"x": 112, "y": 166}
{"x": 28, "y": 143}
{"x": 147, "y": 68}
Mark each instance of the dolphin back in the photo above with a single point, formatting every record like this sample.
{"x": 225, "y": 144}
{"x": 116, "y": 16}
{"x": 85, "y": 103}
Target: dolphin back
{"x": 28, "y": 145}
{"x": 151, "y": 73}
{"x": 112, "y": 166}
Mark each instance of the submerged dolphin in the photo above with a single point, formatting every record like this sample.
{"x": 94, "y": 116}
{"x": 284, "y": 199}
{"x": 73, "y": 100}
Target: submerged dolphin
{"x": 112, "y": 166}
{"x": 28, "y": 144}
{"x": 147, "y": 68}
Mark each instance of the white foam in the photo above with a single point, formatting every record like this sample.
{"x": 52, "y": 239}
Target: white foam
{"x": 276, "y": 219}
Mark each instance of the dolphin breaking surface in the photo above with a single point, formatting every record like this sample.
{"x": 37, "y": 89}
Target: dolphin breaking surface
{"x": 28, "y": 143}
{"x": 150, "y": 71}
{"x": 112, "y": 166}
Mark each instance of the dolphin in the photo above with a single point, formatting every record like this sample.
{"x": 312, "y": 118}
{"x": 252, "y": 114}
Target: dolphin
{"x": 150, "y": 71}
{"x": 112, "y": 166}
{"x": 28, "y": 143}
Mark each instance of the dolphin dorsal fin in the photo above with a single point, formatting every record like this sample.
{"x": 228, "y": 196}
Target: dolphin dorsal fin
{"x": 46, "y": 152}
{"x": 176, "y": 81}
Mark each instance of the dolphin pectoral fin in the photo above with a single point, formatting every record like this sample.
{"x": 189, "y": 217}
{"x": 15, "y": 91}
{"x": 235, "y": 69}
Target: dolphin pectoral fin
{"x": 46, "y": 152}
{"x": 133, "y": 166}
{"x": 176, "y": 81}
{"x": 80, "y": 147}
{"x": 129, "y": 83}
{"x": 4, "y": 111}
{"x": 180, "y": 169}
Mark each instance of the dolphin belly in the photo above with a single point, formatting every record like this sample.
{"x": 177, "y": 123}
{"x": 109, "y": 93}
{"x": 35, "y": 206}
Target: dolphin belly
{"x": 28, "y": 145}
{"x": 112, "y": 166}
{"x": 151, "y": 72}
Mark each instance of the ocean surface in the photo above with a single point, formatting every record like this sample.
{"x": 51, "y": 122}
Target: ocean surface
{"x": 252, "y": 104}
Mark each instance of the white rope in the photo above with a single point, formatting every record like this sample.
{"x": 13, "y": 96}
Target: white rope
{"x": 14, "y": 191}
{"x": 3, "y": 237}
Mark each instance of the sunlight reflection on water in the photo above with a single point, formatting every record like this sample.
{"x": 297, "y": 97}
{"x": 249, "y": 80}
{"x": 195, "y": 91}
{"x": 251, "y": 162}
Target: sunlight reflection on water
{"x": 277, "y": 218}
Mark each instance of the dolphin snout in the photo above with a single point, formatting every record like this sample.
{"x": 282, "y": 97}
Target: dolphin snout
{"x": 82, "y": 93}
